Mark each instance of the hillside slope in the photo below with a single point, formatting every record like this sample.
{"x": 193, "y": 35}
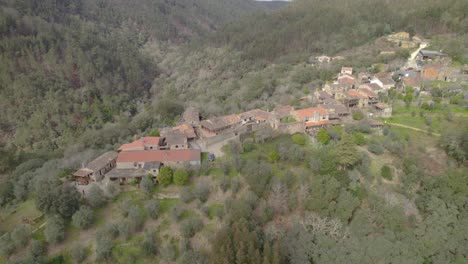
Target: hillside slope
{"x": 313, "y": 25}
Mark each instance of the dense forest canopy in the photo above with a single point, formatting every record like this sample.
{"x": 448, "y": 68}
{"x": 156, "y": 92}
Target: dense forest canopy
{"x": 311, "y": 26}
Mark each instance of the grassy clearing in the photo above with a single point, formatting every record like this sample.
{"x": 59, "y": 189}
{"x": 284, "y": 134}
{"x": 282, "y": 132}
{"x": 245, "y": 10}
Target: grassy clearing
{"x": 13, "y": 216}
{"x": 166, "y": 204}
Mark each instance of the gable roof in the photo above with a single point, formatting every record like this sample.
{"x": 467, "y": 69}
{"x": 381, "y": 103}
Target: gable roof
{"x": 354, "y": 93}
{"x": 140, "y": 143}
{"x": 191, "y": 115}
{"x": 283, "y": 111}
{"x": 99, "y": 162}
{"x": 367, "y": 92}
{"x": 159, "y": 155}
{"x": 310, "y": 112}
{"x": 186, "y": 129}
{"x": 382, "y": 106}
{"x": 258, "y": 114}
{"x": 431, "y": 53}
{"x": 221, "y": 122}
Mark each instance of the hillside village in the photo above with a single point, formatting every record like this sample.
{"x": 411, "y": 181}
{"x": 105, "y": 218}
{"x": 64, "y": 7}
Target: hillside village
{"x": 350, "y": 93}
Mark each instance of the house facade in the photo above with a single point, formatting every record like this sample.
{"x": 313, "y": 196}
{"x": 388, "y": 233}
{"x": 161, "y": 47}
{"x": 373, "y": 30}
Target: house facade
{"x": 95, "y": 170}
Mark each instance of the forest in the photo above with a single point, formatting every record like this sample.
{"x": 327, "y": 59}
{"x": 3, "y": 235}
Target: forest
{"x": 81, "y": 77}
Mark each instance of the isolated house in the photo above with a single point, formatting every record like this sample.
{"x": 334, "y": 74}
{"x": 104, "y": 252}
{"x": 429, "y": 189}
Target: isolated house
{"x": 96, "y": 169}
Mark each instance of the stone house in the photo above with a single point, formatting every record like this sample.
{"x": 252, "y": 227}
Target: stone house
{"x": 313, "y": 117}
{"x": 223, "y": 124}
{"x": 95, "y": 170}
{"x": 143, "y": 143}
{"x": 383, "y": 110}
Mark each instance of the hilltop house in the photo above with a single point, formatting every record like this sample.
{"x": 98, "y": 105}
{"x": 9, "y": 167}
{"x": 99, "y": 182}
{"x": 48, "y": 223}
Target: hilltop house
{"x": 96, "y": 169}
{"x": 346, "y": 70}
{"x": 425, "y": 55}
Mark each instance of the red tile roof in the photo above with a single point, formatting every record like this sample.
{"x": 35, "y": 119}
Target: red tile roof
{"x": 355, "y": 93}
{"x": 140, "y": 143}
{"x": 310, "y": 112}
{"x": 319, "y": 123}
{"x": 159, "y": 155}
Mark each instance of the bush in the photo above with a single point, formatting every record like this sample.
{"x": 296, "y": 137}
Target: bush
{"x": 186, "y": 195}
{"x": 224, "y": 183}
{"x": 37, "y": 252}
{"x": 176, "y": 212}
{"x": 386, "y": 172}
{"x": 113, "y": 189}
{"x": 125, "y": 205}
{"x": 190, "y": 227}
{"x": 103, "y": 247}
{"x": 359, "y": 139}
{"x": 6, "y": 245}
{"x": 299, "y": 139}
{"x": 20, "y": 236}
{"x": 202, "y": 191}
{"x": 152, "y": 207}
{"x": 165, "y": 176}
{"x": 248, "y": 146}
{"x": 323, "y": 136}
{"x": 168, "y": 252}
{"x": 273, "y": 156}
{"x": 78, "y": 254}
{"x": 181, "y": 177}
{"x": 55, "y": 229}
{"x": 148, "y": 245}
{"x": 125, "y": 229}
{"x": 96, "y": 197}
{"x": 83, "y": 218}
{"x": 235, "y": 185}
{"x": 147, "y": 184}
{"x": 375, "y": 147}
{"x": 358, "y": 115}
{"x": 112, "y": 229}
{"x": 136, "y": 218}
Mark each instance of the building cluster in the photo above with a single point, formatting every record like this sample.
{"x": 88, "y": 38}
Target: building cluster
{"x": 181, "y": 145}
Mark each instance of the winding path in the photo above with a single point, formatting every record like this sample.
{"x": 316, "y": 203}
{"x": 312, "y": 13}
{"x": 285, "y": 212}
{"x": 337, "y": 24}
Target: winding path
{"x": 413, "y": 128}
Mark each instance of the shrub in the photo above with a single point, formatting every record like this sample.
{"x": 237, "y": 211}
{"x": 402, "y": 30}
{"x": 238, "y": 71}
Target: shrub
{"x": 375, "y": 147}
{"x": 113, "y": 189}
{"x": 176, "y": 212}
{"x": 168, "y": 252}
{"x": 112, "y": 229}
{"x": 20, "y": 236}
{"x": 148, "y": 245}
{"x": 323, "y": 136}
{"x": 202, "y": 191}
{"x": 358, "y": 115}
{"x": 103, "y": 247}
{"x": 190, "y": 227}
{"x": 359, "y": 139}
{"x": 386, "y": 172}
{"x": 37, "y": 252}
{"x": 6, "y": 245}
{"x": 235, "y": 185}
{"x": 299, "y": 139}
{"x": 125, "y": 229}
{"x": 55, "y": 230}
{"x": 186, "y": 195}
{"x": 136, "y": 218}
{"x": 83, "y": 218}
{"x": 165, "y": 176}
{"x": 224, "y": 183}
{"x": 78, "y": 254}
{"x": 96, "y": 197}
{"x": 181, "y": 177}
{"x": 147, "y": 184}
{"x": 125, "y": 205}
{"x": 152, "y": 207}
{"x": 273, "y": 156}
{"x": 248, "y": 146}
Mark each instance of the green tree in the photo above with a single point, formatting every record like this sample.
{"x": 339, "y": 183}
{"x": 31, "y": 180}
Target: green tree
{"x": 152, "y": 207}
{"x": 83, "y": 218}
{"x": 273, "y": 156}
{"x": 323, "y": 136}
{"x": 299, "y": 139}
{"x": 165, "y": 176}
{"x": 55, "y": 229}
{"x": 96, "y": 197}
{"x": 54, "y": 197}
{"x": 346, "y": 152}
{"x": 386, "y": 172}
{"x": 181, "y": 177}
{"x": 147, "y": 184}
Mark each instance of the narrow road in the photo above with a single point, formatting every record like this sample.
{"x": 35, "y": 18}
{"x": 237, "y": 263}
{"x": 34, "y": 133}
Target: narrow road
{"x": 413, "y": 128}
